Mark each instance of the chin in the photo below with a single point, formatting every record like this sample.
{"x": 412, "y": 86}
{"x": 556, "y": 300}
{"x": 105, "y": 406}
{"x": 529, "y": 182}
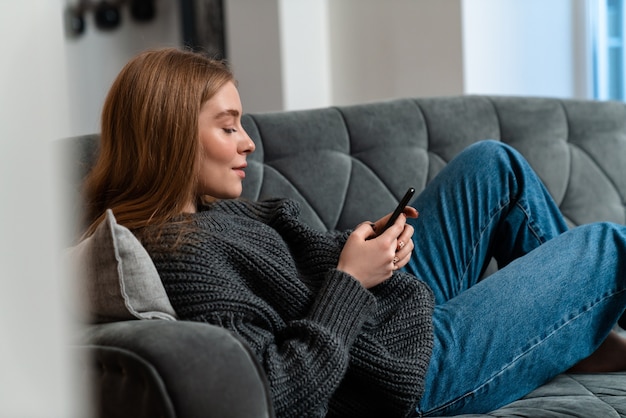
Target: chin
{"x": 224, "y": 193}
{"x": 235, "y": 194}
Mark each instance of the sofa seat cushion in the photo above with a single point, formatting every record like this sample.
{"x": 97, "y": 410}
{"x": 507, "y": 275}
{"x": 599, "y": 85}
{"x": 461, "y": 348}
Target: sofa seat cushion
{"x": 570, "y": 396}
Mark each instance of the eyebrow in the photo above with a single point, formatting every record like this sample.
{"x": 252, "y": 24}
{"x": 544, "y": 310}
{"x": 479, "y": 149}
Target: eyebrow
{"x": 227, "y": 113}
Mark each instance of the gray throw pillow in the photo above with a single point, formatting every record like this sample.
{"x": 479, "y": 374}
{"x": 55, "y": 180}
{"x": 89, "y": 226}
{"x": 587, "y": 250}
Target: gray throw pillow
{"x": 115, "y": 278}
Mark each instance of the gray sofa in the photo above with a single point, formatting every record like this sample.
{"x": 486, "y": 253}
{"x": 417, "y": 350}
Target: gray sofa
{"x": 349, "y": 164}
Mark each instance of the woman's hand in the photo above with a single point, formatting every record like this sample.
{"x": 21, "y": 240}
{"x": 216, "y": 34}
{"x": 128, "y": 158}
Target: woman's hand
{"x": 371, "y": 259}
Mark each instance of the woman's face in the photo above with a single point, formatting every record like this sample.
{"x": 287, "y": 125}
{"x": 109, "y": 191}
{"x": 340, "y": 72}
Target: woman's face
{"x": 224, "y": 145}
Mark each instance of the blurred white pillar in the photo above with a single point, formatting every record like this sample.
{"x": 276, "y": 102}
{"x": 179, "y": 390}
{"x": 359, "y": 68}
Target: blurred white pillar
{"x": 36, "y": 373}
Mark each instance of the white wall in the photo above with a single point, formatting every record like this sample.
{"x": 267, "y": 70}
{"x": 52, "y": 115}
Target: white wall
{"x": 254, "y": 50}
{"x": 36, "y": 373}
{"x": 292, "y": 54}
{"x": 96, "y": 57}
{"x": 305, "y": 51}
{"x": 328, "y": 52}
{"x": 531, "y": 47}
{"x": 336, "y": 52}
{"x": 395, "y": 48}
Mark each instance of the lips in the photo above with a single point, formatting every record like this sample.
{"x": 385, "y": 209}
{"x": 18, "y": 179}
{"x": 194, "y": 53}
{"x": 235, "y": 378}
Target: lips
{"x": 240, "y": 170}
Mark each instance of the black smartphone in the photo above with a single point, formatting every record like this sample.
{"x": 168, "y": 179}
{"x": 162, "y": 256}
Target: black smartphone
{"x": 399, "y": 209}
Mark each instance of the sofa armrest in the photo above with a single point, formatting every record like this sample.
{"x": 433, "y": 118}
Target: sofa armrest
{"x": 179, "y": 369}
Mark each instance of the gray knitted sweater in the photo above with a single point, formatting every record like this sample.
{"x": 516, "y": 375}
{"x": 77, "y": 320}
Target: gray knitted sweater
{"x": 329, "y": 346}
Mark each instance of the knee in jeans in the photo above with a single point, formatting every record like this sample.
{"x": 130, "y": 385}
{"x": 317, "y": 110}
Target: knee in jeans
{"x": 491, "y": 150}
{"x": 491, "y": 146}
{"x": 606, "y": 239}
{"x": 615, "y": 232}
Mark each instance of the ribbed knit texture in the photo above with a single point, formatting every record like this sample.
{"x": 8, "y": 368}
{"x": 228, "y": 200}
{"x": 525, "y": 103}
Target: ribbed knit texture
{"x": 329, "y": 346}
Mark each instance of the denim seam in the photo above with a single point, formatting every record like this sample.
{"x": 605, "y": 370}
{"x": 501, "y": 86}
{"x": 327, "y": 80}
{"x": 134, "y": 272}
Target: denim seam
{"x": 502, "y": 205}
{"x": 582, "y": 311}
{"x": 483, "y": 229}
{"x": 532, "y": 225}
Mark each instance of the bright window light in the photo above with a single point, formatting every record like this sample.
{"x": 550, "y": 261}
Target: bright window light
{"x": 608, "y": 42}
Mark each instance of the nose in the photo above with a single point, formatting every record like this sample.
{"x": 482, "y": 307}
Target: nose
{"x": 248, "y": 145}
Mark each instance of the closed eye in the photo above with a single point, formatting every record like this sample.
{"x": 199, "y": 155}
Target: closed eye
{"x": 230, "y": 130}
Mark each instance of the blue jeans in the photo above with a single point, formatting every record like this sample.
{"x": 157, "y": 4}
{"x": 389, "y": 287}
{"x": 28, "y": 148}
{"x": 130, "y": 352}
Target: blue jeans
{"x": 555, "y": 298}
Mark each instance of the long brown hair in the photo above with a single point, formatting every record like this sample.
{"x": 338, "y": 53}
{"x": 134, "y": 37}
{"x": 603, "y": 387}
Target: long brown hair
{"x": 146, "y": 167}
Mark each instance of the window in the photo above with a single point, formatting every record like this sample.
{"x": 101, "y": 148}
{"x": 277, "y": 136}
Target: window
{"x": 608, "y": 47}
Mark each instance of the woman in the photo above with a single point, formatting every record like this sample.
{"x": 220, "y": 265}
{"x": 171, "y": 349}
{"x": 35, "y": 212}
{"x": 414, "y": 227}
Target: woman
{"x": 340, "y": 322}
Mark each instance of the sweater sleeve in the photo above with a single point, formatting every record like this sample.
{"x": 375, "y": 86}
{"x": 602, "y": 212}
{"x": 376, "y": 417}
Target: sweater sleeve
{"x": 316, "y": 251}
{"x": 303, "y": 344}
{"x": 312, "y": 353}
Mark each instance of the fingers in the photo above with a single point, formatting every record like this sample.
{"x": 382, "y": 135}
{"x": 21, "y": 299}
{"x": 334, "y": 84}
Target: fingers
{"x": 365, "y": 230}
{"x": 401, "y": 262}
{"x": 403, "y": 255}
{"x": 369, "y": 261}
{"x": 410, "y": 212}
{"x": 405, "y": 238}
{"x": 400, "y": 230}
{"x": 397, "y": 239}
{"x": 404, "y": 247}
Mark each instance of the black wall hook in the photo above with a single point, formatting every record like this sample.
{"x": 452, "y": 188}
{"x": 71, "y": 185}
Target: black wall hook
{"x": 107, "y": 14}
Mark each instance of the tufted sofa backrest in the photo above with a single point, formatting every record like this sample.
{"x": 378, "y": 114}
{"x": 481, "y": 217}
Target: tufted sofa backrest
{"x": 352, "y": 163}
